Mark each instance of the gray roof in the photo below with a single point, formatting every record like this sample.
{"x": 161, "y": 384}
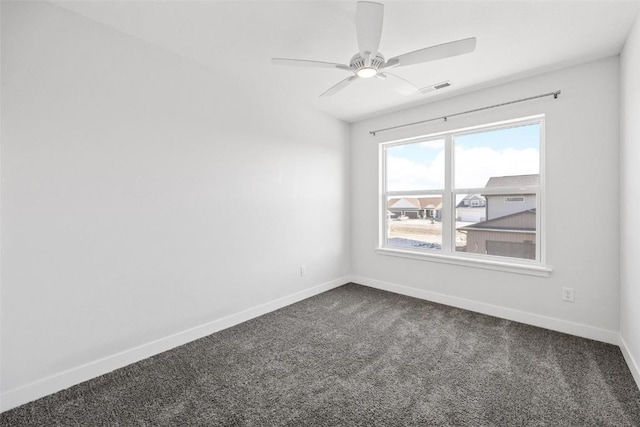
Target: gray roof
{"x": 418, "y": 203}
{"x": 513, "y": 181}
{"x": 495, "y": 223}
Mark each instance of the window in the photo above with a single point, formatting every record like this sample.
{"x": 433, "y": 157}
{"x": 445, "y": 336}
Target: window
{"x": 511, "y": 199}
{"x": 472, "y": 195}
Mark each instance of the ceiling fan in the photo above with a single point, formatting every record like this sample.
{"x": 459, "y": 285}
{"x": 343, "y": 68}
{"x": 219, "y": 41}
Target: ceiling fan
{"x": 369, "y": 62}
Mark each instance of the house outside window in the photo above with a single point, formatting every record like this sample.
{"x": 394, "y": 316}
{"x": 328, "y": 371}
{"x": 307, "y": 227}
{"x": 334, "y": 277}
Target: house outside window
{"x": 473, "y": 194}
{"x": 516, "y": 199}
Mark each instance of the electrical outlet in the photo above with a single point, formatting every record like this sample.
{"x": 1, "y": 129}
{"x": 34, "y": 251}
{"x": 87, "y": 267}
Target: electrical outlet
{"x": 567, "y": 294}
{"x": 303, "y": 270}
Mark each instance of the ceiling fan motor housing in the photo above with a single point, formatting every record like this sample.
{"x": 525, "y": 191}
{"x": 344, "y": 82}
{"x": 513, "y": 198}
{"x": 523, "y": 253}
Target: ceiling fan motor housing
{"x": 358, "y": 62}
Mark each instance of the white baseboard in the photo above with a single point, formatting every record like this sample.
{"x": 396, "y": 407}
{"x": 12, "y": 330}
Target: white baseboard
{"x": 585, "y": 331}
{"x": 60, "y": 381}
{"x": 66, "y": 379}
{"x": 631, "y": 362}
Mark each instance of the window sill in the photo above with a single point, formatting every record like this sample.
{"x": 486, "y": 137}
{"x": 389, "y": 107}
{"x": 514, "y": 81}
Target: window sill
{"x": 488, "y": 264}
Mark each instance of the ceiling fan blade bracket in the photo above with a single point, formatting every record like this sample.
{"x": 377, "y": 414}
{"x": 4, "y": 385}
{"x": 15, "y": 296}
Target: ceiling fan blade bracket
{"x": 367, "y": 59}
{"x": 345, "y": 68}
{"x": 389, "y": 64}
{"x": 308, "y": 63}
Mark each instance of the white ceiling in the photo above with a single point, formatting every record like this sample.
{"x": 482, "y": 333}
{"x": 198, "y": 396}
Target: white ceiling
{"x": 237, "y": 39}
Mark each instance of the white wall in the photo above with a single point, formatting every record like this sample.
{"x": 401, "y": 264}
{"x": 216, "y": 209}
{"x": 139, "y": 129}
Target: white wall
{"x": 582, "y": 134}
{"x": 144, "y": 194}
{"x": 630, "y": 200}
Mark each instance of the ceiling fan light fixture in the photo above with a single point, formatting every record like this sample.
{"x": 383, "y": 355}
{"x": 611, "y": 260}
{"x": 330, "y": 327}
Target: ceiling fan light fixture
{"x": 367, "y": 72}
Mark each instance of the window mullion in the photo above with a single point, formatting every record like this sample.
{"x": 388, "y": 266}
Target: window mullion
{"x": 540, "y": 202}
{"x": 447, "y": 197}
{"x": 382, "y": 196}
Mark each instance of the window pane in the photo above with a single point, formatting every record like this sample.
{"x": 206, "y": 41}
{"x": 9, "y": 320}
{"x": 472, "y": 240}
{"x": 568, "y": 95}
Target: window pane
{"x": 415, "y": 166}
{"x": 514, "y": 151}
{"x": 501, "y": 227}
{"x": 415, "y": 222}
{"x": 470, "y": 209}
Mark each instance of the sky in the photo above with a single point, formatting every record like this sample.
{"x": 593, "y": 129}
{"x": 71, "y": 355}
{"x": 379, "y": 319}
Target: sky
{"x": 477, "y": 157}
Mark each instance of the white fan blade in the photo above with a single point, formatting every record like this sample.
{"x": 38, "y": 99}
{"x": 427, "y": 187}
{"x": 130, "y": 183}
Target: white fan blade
{"x": 369, "y": 27}
{"x": 341, "y": 85}
{"x": 305, "y": 63}
{"x": 405, "y": 87}
{"x": 390, "y": 63}
{"x": 433, "y": 53}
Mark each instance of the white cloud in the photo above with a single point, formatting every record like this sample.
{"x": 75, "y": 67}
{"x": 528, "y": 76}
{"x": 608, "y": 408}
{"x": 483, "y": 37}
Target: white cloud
{"x": 436, "y": 143}
{"x": 406, "y": 174}
{"x": 474, "y": 167}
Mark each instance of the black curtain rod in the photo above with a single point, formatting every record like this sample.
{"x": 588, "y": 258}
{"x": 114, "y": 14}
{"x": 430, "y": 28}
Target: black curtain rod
{"x": 554, "y": 94}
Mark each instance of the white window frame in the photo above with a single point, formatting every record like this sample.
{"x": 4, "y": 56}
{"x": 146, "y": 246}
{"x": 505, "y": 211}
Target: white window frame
{"x": 448, "y": 253}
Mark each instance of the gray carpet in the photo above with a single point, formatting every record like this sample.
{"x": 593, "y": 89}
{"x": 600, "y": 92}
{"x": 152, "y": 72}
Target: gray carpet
{"x": 356, "y": 356}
